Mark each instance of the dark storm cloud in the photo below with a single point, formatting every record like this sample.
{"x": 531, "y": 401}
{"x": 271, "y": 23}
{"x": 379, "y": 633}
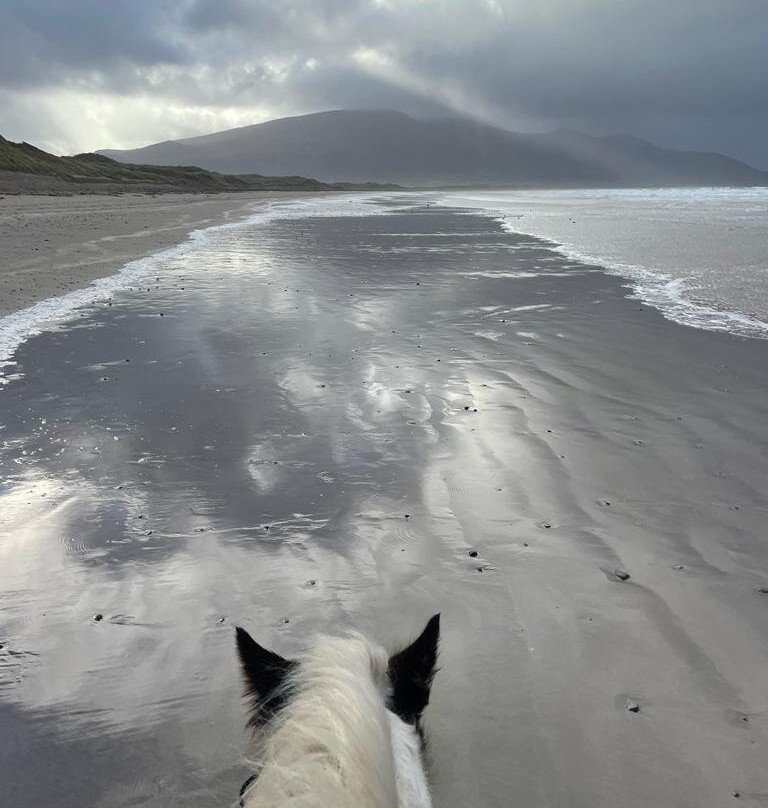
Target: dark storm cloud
{"x": 49, "y": 41}
{"x": 688, "y": 73}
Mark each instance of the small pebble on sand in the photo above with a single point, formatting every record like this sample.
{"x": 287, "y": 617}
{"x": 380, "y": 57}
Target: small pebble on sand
{"x": 622, "y": 575}
{"x": 472, "y": 553}
{"x": 633, "y": 706}
{"x": 98, "y": 617}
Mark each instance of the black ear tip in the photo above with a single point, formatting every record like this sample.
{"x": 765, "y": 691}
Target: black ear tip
{"x": 433, "y": 626}
{"x": 243, "y": 639}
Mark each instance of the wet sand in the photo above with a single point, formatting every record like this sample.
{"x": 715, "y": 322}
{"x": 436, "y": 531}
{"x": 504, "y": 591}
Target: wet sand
{"x": 54, "y": 244}
{"x": 360, "y": 422}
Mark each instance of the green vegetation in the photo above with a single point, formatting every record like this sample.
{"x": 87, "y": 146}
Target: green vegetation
{"x": 91, "y": 170}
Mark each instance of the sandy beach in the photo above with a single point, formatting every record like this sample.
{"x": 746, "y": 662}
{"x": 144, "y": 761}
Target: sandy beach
{"x": 53, "y": 244}
{"x": 325, "y": 423}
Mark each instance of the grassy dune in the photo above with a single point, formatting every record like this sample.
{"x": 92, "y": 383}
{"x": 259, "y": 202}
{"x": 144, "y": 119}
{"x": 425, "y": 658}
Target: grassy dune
{"x": 94, "y": 172}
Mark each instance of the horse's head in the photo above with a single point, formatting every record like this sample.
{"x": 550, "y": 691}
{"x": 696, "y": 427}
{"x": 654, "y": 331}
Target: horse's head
{"x": 410, "y": 672}
{"x": 348, "y": 703}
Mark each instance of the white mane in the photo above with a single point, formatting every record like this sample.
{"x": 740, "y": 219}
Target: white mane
{"x": 334, "y": 744}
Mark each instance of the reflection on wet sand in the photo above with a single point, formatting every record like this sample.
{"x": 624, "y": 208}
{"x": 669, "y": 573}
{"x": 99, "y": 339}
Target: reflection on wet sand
{"x": 331, "y": 427}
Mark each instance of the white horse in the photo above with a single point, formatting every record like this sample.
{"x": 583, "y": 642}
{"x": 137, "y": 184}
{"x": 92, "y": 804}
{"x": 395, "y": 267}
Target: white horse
{"x": 341, "y": 726}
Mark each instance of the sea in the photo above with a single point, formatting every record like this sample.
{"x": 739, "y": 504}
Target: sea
{"x": 700, "y": 255}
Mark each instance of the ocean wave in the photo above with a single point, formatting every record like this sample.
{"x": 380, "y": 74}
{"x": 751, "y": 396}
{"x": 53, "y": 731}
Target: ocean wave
{"x": 673, "y": 297}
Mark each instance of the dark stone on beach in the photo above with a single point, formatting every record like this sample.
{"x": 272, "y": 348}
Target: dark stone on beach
{"x": 480, "y": 569}
{"x": 525, "y": 544}
{"x": 466, "y": 408}
{"x": 679, "y": 567}
{"x": 622, "y": 575}
{"x": 546, "y": 525}
{"x": 472, "y": 553}
{"x": 220, "y": 620}
{"x": 603, "y": 503}
{"x": 407, "y": 516}
{"x": 98, "y": 617}
{"x": 763, "y": 590}
{"x": 633, "y": 706}
{"x": 736, "y": 794}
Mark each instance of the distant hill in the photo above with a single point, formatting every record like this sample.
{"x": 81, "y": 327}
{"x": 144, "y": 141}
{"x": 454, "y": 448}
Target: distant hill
{"x": 393, "y": 147}
{"x": 27, "y": 169}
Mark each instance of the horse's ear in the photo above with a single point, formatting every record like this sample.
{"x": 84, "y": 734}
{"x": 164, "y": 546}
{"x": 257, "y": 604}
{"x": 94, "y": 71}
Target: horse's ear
{"x": 411, "y": 672}
{"x": 264, "y": 673}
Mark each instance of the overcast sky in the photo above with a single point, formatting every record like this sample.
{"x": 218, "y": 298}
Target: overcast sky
{"x": 78, "y": 75}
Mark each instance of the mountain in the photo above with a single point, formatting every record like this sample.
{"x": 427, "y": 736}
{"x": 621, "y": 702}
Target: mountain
{"x": 387, "y": 146}
{"x": 26, "y": 169}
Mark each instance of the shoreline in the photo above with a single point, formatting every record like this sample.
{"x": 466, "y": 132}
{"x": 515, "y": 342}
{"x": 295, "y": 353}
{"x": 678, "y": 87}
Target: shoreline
{"x": 696, "y": 256}
{"x": 56, "y": 301}
{"x": 53, "y": 245}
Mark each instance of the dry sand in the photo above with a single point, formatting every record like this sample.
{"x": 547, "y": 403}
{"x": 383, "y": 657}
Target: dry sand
{"x": 50, "y": 245}
{"x": 361, "y": 422}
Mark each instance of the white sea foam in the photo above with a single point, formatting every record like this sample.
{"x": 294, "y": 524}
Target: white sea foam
{"x": 671, "y": 296}
{"x": 55, "y": 312}
{"x": 697, "y": 255}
